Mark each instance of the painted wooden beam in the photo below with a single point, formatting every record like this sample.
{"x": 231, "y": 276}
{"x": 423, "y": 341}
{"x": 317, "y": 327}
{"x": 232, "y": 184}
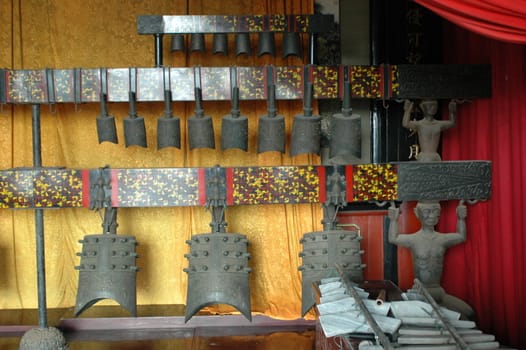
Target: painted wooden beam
{"x": 173, "y": 187}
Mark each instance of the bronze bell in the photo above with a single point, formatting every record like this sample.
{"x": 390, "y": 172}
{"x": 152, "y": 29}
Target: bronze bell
{"x": 345, "y": 130}
{"x": 177, "y": 43}
{"x": 106, "y": 130}
{"x": 292, "y": 44}
{"x": 107, "y": 267}
{"x": 218, "y": 272}
{"x": 306, "y": 129}
{"x": 168, "y": 126}
{"x": 234, "y": 127}
{"x": 271, "y": 127}
{"x": 134, "y": 128}
{"x": 197, "y": 42}
{"x": 220, "y": 43}
{"x": 242, "y": 43}
{"x": 200, "y": 126}
{"x": 266, "y": 44}
{"x": 321, "y": 251}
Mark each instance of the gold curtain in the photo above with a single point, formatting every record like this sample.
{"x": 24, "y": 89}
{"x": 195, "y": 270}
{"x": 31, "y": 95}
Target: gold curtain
{"x": 40, "y": 34}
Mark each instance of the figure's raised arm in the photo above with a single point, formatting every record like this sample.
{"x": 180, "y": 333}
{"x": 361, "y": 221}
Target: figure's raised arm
{"x": 393, "y": 213}
{"x": 462, "y": 213}
{"x": 452, "y": 108}
{"x": 406, "y": 120}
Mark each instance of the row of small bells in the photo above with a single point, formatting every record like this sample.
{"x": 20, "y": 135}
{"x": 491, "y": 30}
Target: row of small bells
{"x": 266, "y": 44}
{"x": 306, "y": 132}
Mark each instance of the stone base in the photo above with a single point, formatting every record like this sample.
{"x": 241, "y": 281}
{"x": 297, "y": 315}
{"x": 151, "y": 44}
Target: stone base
{"x": 49, "y": 338}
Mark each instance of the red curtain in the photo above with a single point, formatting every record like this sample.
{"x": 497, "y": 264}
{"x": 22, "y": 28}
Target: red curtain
{"x": 498, "y": 19}
{"x": 488, "y": 270}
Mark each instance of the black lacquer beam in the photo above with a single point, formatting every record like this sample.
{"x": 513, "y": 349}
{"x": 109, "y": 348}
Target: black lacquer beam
{"x": 83, "y": 85}
{"x": 187, "y": 24}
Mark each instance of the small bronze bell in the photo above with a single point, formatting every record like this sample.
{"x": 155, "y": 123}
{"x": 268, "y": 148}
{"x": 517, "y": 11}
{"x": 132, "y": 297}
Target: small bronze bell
{"x": 106, "y": 130}
{"x": 345, "y": 131}
{"x": 178, "y": 43}
{"x": 200, "y": 126}
{"x": 292, "y": 44}
{"x": 306, "y": 133}
{"x": 266, "y": 44}
{"x": 197, "y": 42}
{"x": 168, "y": 126}
{"x": 271, "y": 127}
{"x": 234, "y": 127}
{"x": 220, "y": 43}
{"x": 134, "y": 128}
{"x": 242, "y": 43}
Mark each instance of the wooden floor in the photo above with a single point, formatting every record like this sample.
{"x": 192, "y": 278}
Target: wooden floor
{"x": 159, "y": 327}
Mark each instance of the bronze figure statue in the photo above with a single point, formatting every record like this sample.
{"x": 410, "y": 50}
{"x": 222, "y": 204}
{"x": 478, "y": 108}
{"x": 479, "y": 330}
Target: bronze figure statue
{"x": 428, "y": 248}
{"x": 428, "y": 128}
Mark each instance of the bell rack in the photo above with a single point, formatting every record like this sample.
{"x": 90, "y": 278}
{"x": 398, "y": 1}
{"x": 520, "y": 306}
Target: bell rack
{"x": 41, "y": 188}
{"x": 83, "y": 85}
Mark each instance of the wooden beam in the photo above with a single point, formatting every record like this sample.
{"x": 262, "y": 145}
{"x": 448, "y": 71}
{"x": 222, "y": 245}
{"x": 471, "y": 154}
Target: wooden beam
{"x": 81, "y": 85}
{"x": 173, "y": 187}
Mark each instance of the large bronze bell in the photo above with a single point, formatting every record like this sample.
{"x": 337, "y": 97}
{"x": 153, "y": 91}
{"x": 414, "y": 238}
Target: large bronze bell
{"x": 220, "y": 43}
{"x": 306, "y": 129}
{"x": 200, "y": 126}
{"x": 106, "y": 130}
{"x": 134, "y": 128}
{"x": 234, "y": 126}
{"x": 218, "y": 272}
{"x": 271, "y": 127}
{"x": 168, "y": 126}
{"x": 218, "y": 262}
{"x": 345, "y": 131}
{"x": 266, "y": 44}
{"x": 242, "y": 43}
{"x": 177, "y": 43}
{"x": 197, "y": 42}
{"x": 292, "y": 44}
{"x": 321, "y": 251}
{"x": 107, "y": 268}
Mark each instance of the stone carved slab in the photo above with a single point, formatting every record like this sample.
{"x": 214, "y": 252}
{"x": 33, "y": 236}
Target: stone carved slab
{"x": 443, "y": 81}
{"x": 444, "y": 180}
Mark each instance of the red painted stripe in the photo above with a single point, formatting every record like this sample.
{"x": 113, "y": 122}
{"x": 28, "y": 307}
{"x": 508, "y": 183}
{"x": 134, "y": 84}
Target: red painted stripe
{"x": 349, "y": 180}
{"x": 114, "y": 183}
{"x": 229, "y": 186}
{"x": 322, "y": 184}
{"x": 85, "y": 188}
{"x": 7, "y": 90}
{"x": 201, "y": 178}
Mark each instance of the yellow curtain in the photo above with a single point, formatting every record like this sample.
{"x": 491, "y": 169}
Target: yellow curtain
{"x": 40, "y": 34}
